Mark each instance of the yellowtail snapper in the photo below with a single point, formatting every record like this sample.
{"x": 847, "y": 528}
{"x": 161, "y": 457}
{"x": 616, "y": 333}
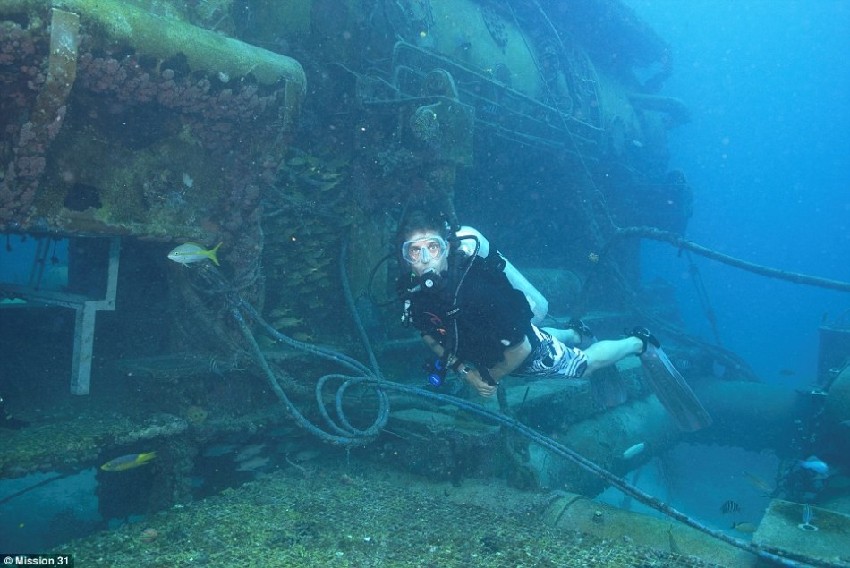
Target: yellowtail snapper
{"x": 128, "y": 461}
{"x": 188, "y": 253}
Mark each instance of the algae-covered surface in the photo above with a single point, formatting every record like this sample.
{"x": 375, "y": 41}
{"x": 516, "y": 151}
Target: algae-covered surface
{"x": 75, "y": 436}
{"x": 166, "y": 37}
{"x": 353, "y": 515}
{"x": 78, "y": 440}
{"x": 824, "y": 537}
{"x": 58, "y": 444}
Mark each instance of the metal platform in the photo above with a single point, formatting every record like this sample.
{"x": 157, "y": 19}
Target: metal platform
{"x": 823, "y": 538}
{"x": 85, "y": 308}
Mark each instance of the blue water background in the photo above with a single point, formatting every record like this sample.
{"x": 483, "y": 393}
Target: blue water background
{"x": 768, "y": 155}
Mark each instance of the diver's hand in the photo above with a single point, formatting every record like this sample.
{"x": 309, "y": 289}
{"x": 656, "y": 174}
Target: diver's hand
{"x": 473, "y": 377}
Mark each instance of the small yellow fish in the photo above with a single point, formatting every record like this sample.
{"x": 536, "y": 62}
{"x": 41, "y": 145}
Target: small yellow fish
{"x": 128, "y": 461}
{"x": 187, "y": 253}
{"x": 744, "y": 527}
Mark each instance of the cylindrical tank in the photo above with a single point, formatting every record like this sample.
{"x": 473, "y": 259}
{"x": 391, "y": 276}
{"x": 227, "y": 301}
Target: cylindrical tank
{"x": 477, "y": 35}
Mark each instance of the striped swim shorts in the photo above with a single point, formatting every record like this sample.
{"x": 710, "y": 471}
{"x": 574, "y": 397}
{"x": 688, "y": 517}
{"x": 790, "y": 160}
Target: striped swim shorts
{"x": 551, "y": 358}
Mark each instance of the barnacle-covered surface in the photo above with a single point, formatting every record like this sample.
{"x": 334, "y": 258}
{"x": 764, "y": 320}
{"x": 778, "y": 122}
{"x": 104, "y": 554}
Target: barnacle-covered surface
{"x": 170, "y": 130}
{"x": 326, "y": 515}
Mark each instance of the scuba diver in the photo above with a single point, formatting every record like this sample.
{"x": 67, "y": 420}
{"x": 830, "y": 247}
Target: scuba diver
{"x": 478, "y": 323}
{"x": 805, "y": 479}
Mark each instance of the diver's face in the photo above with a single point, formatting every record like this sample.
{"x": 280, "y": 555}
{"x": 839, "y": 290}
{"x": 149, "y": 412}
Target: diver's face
{"x": 426, "y": 251}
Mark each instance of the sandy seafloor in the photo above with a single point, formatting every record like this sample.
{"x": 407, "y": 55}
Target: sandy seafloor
{"x": 359, "y": 515}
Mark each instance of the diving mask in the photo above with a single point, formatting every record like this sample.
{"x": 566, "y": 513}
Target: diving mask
{"x": 424, "y": 250}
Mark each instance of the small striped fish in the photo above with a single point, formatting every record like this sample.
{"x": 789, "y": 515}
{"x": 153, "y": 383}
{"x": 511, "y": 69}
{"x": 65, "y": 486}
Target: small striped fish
{"x": 729, "y": 507}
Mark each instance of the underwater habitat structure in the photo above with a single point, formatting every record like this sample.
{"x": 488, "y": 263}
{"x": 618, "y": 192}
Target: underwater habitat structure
{"x": 284, "y": 141}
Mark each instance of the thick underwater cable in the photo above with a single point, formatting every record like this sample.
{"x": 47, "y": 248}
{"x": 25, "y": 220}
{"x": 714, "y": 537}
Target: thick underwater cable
{"x": 380, "y": 420}
{"x": 358, "y": 321}
{"x": 702, "y": 296}
{"x": 300, "y": 419}
{"x": 680, "y": 242}
{"x": 347, "y": 428}
{"x": 347, "y": 434}
{"x": 328, "y": 354}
